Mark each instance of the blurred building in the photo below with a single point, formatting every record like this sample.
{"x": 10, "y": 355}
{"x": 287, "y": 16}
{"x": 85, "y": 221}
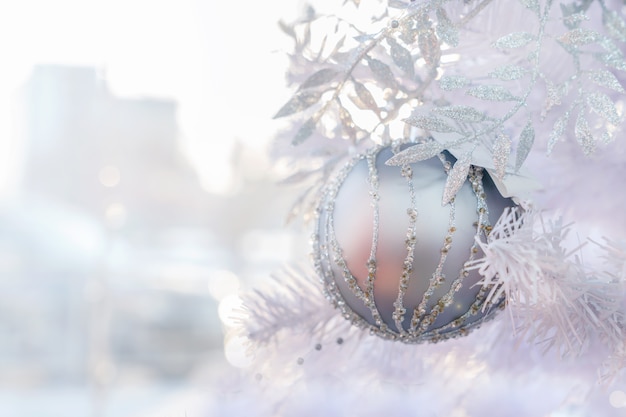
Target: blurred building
{"x": 91, "y": 149}
{"x": 107, "y": 259}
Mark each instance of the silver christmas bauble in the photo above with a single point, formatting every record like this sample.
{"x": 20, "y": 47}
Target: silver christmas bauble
{"x": 393, "y": 258}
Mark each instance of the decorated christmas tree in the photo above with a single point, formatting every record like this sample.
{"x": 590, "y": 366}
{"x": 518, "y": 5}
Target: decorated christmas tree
{"x": 460, "y": 165}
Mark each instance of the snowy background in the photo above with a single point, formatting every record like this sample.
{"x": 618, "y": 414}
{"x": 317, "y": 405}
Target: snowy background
{"x": 135, "y": 198}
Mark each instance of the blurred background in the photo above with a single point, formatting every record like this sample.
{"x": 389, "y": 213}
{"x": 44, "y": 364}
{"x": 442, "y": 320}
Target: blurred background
{"x": 136, "y": 198}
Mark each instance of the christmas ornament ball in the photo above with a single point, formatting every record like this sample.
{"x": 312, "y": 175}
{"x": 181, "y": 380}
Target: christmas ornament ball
{"x": 393, "y": 258}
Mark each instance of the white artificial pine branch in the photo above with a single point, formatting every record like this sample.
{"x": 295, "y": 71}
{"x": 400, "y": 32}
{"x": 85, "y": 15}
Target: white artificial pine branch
{"x": 552, "y": 297}
{"x": 291, "y": 303}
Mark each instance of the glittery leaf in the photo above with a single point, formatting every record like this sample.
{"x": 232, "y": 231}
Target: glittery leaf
{"x": 287, "y": 29}
{"x": 524, "y": 145}
{"x": 416, "y": 153}
{"x": 365, "y": 97}
{"x": 557, "y": 130}
{"x": 300, "y": 101}
{"x": 509, "y": 72}
{"x": 461, "y": 113}
{"x": 531, "y": 4}
{"x": 614, "y": 25}
{"x": 606, "y": 79}
{"x": 429, "y": 47}
{"x": 305, "y": 131}
{"x": 397, "y": 4}
{"x": 579, "y": 36}
{"x": 382, "y": 73}
{"x": 320, "y": 77}
{"x": 408, "y": 32}
{"x": 514, "y": 40}
{"x": 456, "y": 178}
{"x": 432, "y": 123}
{"x": 363, "y": 38}
{"x": 501, "y": 152}
{"x": 583, "y": 135}
{"x": 445, "y": 29}
{"x": 606, "y": 138}
{"x": 402, "y": 57}
{"x": 453, "y": 82}
{"x": 554, "y": 94}
{"x": 346, "y": 121}
{"x": 613, "y": 56}
{"x": 491, "y": 92}
{"x": 603, "y": 105}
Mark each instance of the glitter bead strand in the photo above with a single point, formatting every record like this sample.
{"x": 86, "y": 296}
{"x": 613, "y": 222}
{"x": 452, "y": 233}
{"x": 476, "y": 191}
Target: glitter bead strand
{"x": 411, "y": 240}
{"x": 371, "y": 263}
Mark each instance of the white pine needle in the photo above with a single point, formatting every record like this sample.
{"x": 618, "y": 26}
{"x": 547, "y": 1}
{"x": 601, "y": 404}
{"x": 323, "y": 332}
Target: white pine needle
{"x": 551, "y": 297}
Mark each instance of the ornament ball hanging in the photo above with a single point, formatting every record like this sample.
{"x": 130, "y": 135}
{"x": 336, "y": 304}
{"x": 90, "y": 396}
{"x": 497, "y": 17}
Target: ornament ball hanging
{"x": 393, "y": 258}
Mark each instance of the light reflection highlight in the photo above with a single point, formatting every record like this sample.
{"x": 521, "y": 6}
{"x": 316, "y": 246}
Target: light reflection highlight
{"x": 618, "y": 399}
{"x": 227, "y": 309}
{"x": 109, "y": 176}
{"x": 222, "y": 284}
{"x": 236, "y": 351}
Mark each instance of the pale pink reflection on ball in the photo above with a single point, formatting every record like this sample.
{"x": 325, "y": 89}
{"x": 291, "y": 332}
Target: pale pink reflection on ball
{"x": 354, "y": 219}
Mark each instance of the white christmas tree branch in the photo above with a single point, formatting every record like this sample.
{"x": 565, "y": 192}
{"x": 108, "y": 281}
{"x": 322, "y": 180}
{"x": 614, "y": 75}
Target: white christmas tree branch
{"x": 551, "y": 296}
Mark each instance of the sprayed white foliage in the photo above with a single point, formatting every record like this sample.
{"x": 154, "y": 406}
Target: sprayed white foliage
{"x": 291, "y": 303}
{"x": 317, "y": 364}
{"x": 551, "y": 297}
{"x": 456, "y": 178}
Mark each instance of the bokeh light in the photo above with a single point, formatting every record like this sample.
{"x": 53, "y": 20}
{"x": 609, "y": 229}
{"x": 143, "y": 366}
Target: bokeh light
{"x": 618, "y": 399}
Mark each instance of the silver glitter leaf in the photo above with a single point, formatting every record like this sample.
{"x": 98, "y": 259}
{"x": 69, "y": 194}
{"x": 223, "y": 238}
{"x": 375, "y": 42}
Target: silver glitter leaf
{"x": 287, "y": 29}
{"x": 583, "y": 135}
{"x": 501, "y": 152}
{"x": 514, "y": 40}
{"x": 461, "y": 113}
{"x": 573, "y": 20}
{"x": 300, "y": 101}
{"x": 603, "y": 106}
{"x": 554, "y": 94}
{"x": 509, "y": 72}
{"x": 408, "y": 31}
{"x": 613, "y": 56}
{"x": 365, "y": 97}
{"x": 453, "y": 82}
{"x": 382, "y": 73}
{"x": 607, "y": 137}
{"x": 305, "y": 131}
{"x": 402, "y": 57}
{"x": 531, "y": 4}
{"x": 431, "y": 123}
{"x": 492, "y": 93}
{"x": 579, "y": 36}
{"x": 320, "y": 77}
{"x": 445, "y": 29}
{"x": 614, "y": 25}
{"x": 429, "y": 48}
{"x": 524, "y": 145}
{"x": 397, "y": 4}
{"x": 347, "y": 122}
{"x": 456, "y": 178}
{"x": 557, "y": 130}
{"x": 606, "y": 79}
{"x": 416, "y": 153}
{"x": 363, "y": 38}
